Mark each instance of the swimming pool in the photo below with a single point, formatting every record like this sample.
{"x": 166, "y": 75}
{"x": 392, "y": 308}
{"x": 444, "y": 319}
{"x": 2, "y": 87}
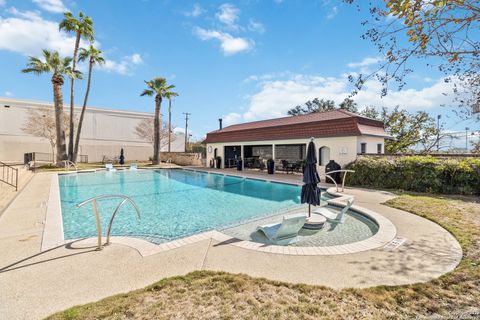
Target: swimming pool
{"x": 174, "y": 203}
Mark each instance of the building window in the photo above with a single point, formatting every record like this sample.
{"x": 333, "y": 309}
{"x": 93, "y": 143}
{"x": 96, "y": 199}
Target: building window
{"x": 363, "y": 147}
{"x": 324, "y": 156}
{"x": 379, "y": 148}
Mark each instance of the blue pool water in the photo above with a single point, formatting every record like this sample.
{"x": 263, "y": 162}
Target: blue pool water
{"x": 173, "y": 203}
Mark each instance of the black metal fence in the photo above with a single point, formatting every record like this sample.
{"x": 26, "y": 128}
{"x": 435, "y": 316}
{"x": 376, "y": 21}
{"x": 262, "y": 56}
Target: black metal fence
{"x": 436, "y": 155}
{"x": 9, "y": 175}
{"x": 48, "y": 157}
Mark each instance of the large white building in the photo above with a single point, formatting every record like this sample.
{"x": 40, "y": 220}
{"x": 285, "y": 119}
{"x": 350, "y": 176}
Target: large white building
{"x": 339, "y": 135}
{"x": 104, "y": 133}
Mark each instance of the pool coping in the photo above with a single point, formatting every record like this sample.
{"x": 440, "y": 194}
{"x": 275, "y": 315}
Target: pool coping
{"x": 53, "y": 235}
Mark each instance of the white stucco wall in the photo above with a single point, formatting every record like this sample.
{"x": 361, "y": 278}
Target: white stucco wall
{"x": 342, "y": 149}
{"x": 371, "y": 143}
{"x": 104, "y": 132}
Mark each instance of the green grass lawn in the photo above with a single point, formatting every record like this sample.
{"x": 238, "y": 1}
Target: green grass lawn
{"x": 216, "y": 295}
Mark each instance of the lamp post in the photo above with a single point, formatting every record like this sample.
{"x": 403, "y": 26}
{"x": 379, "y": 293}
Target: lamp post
{"x": 466, "y": 138}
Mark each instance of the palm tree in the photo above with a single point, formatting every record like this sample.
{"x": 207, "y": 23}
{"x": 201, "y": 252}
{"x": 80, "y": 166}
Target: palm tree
{"x": 94, "y": 56}
{"x": 83, "y": 28}
{"x": 58, "y": 67}
{"x": 169, "y": 96}
{"x": 159, "y": 88}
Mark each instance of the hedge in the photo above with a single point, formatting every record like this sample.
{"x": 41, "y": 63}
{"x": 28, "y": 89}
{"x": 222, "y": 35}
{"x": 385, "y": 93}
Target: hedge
{"x": 417, "y": 173}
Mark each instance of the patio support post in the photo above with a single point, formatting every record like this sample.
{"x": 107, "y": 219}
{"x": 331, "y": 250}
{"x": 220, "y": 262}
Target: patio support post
{"x": 242, "y": 156}
{"x": 273, "y": 151}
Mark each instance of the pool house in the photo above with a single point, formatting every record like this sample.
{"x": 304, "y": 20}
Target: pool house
{"x": 339, "y": 136}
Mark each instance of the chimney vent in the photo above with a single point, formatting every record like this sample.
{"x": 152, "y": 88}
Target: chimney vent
{"x": 220, "y": 123}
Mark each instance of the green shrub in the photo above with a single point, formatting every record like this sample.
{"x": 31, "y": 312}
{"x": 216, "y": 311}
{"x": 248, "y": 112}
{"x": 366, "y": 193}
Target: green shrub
{"x": 417, "y": 173}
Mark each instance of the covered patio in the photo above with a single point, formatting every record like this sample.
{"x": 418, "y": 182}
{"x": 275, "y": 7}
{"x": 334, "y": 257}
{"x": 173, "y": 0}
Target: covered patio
{"x": 287, "y": 157}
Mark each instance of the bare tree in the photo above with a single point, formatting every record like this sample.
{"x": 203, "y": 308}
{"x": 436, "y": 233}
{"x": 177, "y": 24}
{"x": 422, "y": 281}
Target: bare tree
{"x": 41, "y": 123}
{"x": 476, "y": 147}
{"x": 145, "y": 131}
{"x": 443, "y": 33}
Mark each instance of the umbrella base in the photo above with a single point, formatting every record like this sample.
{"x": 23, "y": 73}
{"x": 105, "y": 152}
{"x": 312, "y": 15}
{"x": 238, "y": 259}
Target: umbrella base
{"x": 315, "y": 222}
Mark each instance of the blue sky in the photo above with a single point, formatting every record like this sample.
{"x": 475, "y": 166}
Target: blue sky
{"x": 239, "y": 60}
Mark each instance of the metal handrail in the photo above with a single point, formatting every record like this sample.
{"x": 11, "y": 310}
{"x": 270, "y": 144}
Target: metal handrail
{"x": 327, "y": 176}
{"x": 11, "y": 173}
{"x": 343, "y": 179}
{"x": 97, "y": 216}
{"x": 68, "y": 164}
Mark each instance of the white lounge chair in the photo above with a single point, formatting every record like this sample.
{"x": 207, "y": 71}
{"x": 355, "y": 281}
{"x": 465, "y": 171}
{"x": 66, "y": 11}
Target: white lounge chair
{"x": 335, "y": 216}
{"x": 110, "y": 167}
{"x": 285, "y": 232}
{"x": 133, "y": 166}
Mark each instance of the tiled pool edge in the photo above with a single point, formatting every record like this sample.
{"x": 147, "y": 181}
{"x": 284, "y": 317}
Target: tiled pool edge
{"x": 53, "y": 233}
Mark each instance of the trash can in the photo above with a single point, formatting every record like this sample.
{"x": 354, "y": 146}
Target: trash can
{"x": 218, "y": 162}
{"x": 333, "y": 166}
{"x": 270, "y": 166}
{"x": 239, "y": 164}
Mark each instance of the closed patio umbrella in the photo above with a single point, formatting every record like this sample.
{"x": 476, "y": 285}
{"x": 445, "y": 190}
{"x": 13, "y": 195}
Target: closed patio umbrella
{"x": 310, "y": 191}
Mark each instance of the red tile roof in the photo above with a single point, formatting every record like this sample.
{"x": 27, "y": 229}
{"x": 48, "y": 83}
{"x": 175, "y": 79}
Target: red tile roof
{"x": 334, "y": 123}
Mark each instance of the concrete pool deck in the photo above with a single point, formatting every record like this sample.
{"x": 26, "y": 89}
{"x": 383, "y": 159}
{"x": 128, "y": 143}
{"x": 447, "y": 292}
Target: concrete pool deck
{"x": 34, "y": 284}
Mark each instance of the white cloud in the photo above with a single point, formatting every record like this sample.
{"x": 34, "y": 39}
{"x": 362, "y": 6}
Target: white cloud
{"x": 136, "y": 58}
{"x": 365, "y": 62}
{"x": 27, "y": 33}
{"x": 55, "y": 6}
{"x": 2, "y": 3}
{"x": 8, "y": 94}
{"x": 229, "y": 44}
{"x": 256, "y": 26}
{"x": 124, "y": 66}
{"x": 231, "y": 118}
{"x": 196, "y": 11}
{"x": 178, "y": 130}
{"x": 228, "y": 14}
{"x": 333, "y": 12}
{"x": 276, "y": 96}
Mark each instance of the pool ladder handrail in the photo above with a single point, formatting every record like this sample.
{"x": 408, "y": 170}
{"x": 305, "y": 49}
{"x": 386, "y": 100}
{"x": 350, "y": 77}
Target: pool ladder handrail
{"x": 69, "y": 164}
{"x": 327, "y": 175}
{"x": 97, "y": 216}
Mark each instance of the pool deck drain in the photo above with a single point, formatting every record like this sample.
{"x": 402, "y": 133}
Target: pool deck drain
{"x": 394, "y": 244}
{"x": 35, "y": 284}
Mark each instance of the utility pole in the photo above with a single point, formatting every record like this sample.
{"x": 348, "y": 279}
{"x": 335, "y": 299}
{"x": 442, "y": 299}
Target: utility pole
{"x": 169, "y": 122}
{"x": 438, "y": 132}
{"x": 186, "y": 129}
{"x": 466, "y": 139}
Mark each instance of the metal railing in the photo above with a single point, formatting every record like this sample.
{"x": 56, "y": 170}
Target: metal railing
{"x": 82, "y": 158}
{"x": 43, "y": 157}
{"x": 9, "y": 175}
{"x": 327, "y": 175}
{"x": 97, "y": 215}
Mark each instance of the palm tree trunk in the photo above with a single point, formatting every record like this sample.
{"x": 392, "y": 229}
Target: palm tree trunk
{"x": 84, "y": 107}
{"x": 72, "y": 99}
{"x": 156, "y": 133}
{"x": 59, "y": 125}
{"x": 169, "y": 122}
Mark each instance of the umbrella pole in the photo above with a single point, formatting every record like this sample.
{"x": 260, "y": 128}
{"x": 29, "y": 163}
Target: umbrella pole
{"x": 309, "y": 211}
